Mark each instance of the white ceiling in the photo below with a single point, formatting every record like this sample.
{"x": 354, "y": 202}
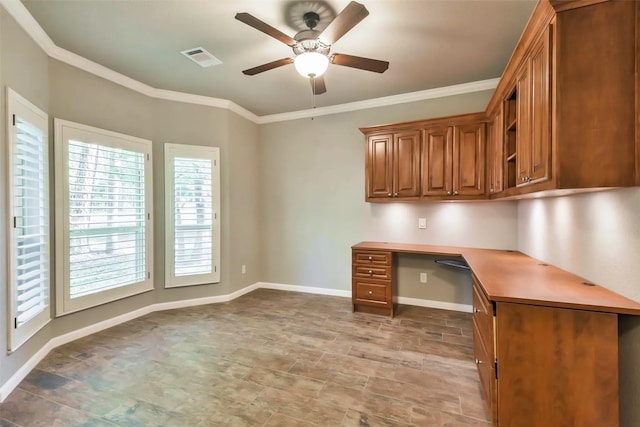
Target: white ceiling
{"x": 429, "y": 43}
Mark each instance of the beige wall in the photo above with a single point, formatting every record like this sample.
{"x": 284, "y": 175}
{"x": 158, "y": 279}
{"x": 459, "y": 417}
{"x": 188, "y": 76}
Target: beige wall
{"x": 24, "y": 68}
{"x": 313, "y": 208}
{"x": 66, "y": 92}
{"x": 596, "y": 236}
{"x": 244, "y": 203}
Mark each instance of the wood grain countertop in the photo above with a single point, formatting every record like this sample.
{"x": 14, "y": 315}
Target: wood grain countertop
{"x": 511, "y": 276}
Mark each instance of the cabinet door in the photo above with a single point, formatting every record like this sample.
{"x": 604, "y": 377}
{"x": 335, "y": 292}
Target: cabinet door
{"x": 556, "y": 366}
{"x": 469, "y": 160}
{"x": 437, "y": 165}
{"x": 523, "y": 135}
{"x": 379, "y": 164}
{"x": 540, "y": 140}
{"x": 406, "y": 164}
{"x": 495, "y": 155}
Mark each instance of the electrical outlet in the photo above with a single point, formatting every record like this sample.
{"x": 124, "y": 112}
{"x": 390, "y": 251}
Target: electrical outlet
{"x": 244, "y": 269}
{"x": 423, "y": 277}
{"x": 422, "y": 223}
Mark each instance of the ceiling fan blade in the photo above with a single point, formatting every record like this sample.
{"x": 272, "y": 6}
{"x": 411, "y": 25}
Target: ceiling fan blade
{"x": 317, "y": 85}
{"x": 366, "y": 64}
{"x": 254, "y": 22}
{"x": 346, "y": 20}
{"x": 268, "y": 66}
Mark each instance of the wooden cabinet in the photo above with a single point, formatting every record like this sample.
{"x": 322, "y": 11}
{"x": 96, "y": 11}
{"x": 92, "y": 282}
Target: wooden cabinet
{"x": 545, "y": 345}
{"x": 437, "y": 161}
{"x": 450, "y": 162}
{"x": 483, "y": 340}
{"x": 372, "y": 281}
{"x": 453, "y": 160}
{"x": 532, "y": 104}
{"x": 568, "y": 96}
{"x": 469, "y": 159}
{"x": 393, "y": 165}
{"x": 556, "y": 366}
{"x": 495, "y": 152}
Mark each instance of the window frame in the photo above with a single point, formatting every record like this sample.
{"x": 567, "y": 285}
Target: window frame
{"x": 18, "y": 335}
{"x": 64, "y": 131}
{"x": 171, "y": 151}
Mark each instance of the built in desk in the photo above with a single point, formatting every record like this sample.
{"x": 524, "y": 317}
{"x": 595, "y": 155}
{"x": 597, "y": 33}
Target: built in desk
{"x": 545, "y": 340}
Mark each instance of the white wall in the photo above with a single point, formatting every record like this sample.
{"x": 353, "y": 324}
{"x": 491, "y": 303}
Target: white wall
{"x": 596, "y": 236}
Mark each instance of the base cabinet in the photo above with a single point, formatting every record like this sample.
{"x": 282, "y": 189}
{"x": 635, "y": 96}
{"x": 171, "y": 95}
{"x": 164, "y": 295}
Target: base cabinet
{"x": 372, "y": 282}
{"x": 551, "y": 367}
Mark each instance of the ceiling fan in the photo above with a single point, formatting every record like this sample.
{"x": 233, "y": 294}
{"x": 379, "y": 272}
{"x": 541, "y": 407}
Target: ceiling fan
{"x": 311, "y": 47}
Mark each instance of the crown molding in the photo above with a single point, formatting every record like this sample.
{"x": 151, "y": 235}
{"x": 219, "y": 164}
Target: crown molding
{"x": 19, "y": 12}
{"x": 384, "y": 101}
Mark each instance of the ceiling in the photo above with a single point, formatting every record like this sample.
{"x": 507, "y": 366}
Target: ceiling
{"x": 429, "y": 43}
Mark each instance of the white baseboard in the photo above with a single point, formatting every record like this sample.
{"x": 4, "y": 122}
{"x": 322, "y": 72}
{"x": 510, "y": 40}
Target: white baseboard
{"x": 33, "y": 361}
{"x": 305, "y": 289}
{"x": 435, "y": 304}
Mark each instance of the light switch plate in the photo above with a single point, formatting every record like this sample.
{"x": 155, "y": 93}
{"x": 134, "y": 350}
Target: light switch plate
{"x": 422, "y": 222}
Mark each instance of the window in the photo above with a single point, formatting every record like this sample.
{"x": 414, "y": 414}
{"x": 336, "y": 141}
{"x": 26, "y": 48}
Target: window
{"x": 192, "y": 199}
{"x": 28, "y": 251}
{"x": 103, "y": 216}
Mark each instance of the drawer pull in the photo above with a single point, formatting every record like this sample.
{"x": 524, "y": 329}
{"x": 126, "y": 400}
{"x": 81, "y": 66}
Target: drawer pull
{"x": 370, "y": 273}
{"x": 370, "y": 258}
{"x": 370, "y": 292}
{"x": 478, "y": 362}
{"x": 476, "y": 310}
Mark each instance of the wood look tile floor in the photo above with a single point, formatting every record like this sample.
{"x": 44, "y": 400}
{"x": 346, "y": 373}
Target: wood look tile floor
{"x": 269, "y": 358}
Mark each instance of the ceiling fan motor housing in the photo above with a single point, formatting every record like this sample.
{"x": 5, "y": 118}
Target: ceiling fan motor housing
{"x": 311, "y": 19}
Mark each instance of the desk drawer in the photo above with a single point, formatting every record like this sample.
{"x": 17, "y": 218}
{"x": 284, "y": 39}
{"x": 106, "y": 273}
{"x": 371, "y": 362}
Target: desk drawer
{"x": 371, "y": 257}
{"x": 372, "y": 292}
{"x": 371, "y": 272}
{"x": 482, "y": 314}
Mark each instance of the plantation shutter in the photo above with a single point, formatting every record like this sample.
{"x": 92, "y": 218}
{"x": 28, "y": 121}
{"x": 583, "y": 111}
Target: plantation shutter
{"x": 193, "y": 216}
{"x": 30, "y": 202}
{"x": 107, "y": 218}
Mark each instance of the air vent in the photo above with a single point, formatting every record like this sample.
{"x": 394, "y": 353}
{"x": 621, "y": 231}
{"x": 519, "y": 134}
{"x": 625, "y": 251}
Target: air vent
{"x": 201, "y": 57}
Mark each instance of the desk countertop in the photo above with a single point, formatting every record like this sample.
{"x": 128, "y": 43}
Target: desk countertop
{"x": 511, "y": 276}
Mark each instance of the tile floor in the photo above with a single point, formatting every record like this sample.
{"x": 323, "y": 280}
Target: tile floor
{"x": 269, "y": 358}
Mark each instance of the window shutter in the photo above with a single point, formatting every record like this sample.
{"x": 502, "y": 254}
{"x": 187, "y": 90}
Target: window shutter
{"x": 31, "y": 220}
{"x": 193, "y": 216}
{"x": 107, "y": 218}
{"x": 192, "y": 206}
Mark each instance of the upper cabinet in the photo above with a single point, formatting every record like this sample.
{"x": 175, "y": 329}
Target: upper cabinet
{"x": 393, "y": 166}
{"x": 495, "y": 152}
{"x": 567, "y": 101}
{"x": 427, "y": 160}
{"x": 453, "y": 160}
{"x": 563, "y": 118}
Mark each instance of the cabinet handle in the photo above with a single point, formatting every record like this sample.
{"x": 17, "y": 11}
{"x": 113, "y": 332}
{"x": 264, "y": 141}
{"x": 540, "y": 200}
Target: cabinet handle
{"x": 370, "y": 292}
{"x": 478, "y": 362}
{"x": 395, "y": 195}
{"x": 388, "y": 194}
{"x": 370, "y": 258}
{"x": 455, "y": 193}
{"x": 370, "y": 273}
{"x": 491, "y": 190}
{"x": 476, "y": 310}
{"x": 448, "y": 193}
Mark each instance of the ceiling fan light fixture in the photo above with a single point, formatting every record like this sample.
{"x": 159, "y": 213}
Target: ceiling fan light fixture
{"x": 311, "y": 64}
